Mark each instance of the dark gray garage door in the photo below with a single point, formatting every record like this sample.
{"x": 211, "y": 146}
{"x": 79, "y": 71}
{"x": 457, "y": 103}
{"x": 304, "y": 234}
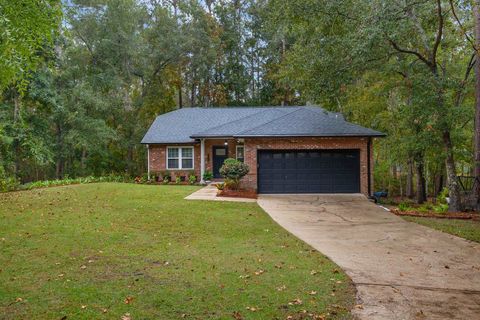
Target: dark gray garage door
{"x": 309, "y": 171}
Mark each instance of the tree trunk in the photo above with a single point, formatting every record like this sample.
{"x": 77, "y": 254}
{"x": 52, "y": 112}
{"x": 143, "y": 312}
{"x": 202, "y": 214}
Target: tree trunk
{"x": 421, "y": 193}
{"x": 438, "y": 184}
{"x": 409, "y": 187}
{"x": 180, "y": 100}
{"x": 476, "y": 10}
{"x": 16, "y": 142}
{"x": 453, "y": 187}
{"x": 192, "y": 96}
{"x": 83, "y": 160}
{"x": 60, "y": 160}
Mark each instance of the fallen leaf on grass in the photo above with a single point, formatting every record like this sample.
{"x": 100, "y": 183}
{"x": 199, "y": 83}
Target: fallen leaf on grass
{"x": 253, "y": 309}
{"x": 237, "y": 316}
{"x": 83, "y": 267}
{"x": 84, "y": 307}
{"x": 18, "y": 299}
{"x": 295, "y": 302}
{"x": 128, "y": 300}
{"x": 313, "y": 272}
{"x": 126, "y": 316}
{"x": 312, "y": 292}
{"x": 358, "y": 306}
{"x": 259, "y": 272}
{"x": 281, "y": 288}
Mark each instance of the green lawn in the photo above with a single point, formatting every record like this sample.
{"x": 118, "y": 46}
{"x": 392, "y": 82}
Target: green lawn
{"x": 104, "y": 250}
{"x": 467, "y": 229}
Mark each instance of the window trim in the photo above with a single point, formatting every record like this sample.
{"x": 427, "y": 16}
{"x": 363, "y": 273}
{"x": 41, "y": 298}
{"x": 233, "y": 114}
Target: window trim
{"x": 236, "y": 151}
{"x": 180, "y": 157}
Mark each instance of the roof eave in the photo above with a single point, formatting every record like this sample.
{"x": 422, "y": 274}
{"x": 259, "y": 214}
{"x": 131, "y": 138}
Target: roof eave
{"x": 169, "y": 142}
{"x": 211, "y": 136}
{"x": 379, "y": 135}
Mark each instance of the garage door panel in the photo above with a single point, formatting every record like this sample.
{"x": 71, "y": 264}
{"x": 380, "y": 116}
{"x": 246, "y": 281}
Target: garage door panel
{"x": 309, "y": 171}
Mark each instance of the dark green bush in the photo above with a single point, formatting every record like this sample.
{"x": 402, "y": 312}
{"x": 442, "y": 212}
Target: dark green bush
{"x": 208, "y": 175}
{"x": 233, "y": 171}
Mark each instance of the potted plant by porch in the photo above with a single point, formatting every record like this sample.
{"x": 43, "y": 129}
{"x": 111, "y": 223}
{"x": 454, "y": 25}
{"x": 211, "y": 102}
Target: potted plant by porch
{"x": 233, "y": 171}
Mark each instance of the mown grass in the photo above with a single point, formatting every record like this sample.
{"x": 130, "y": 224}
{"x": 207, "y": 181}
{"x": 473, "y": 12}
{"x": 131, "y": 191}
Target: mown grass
{"x": 467, "y": 229}
{"x": 105, "y": 250}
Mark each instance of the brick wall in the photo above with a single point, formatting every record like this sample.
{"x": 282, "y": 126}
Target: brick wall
{"x": 158, "y": 154}
{"x": 254, "y": 144}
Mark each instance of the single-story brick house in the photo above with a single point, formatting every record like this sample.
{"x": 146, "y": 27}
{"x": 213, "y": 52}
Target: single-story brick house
{"x": 288, "y": 149}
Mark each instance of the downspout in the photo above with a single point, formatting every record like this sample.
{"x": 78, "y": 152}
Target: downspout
{"x": 369, "y": 169}
{"x": 202, "y": 160}
{"x": 148, "y": 162}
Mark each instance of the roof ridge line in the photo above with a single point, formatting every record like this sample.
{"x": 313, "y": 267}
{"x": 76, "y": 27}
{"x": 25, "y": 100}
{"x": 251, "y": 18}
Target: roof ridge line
{"x": 286, "y": 114}
{"x": 226, "y": 123}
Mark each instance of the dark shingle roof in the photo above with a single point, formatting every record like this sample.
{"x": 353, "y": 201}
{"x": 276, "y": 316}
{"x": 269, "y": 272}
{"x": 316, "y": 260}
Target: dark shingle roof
{"x": 184, "y": 125}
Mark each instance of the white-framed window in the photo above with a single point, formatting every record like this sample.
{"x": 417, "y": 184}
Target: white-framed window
{"x": 240, "y": 154}
{"x": 180, "y": 158}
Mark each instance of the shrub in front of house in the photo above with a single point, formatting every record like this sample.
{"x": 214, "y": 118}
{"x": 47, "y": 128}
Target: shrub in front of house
{"x": 233, "y": 171}
{"x": 208, "y": 175}
{"x": 192, "y": 179}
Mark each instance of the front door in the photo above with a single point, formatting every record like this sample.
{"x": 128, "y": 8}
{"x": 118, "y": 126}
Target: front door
{"x": 219, "y": 156}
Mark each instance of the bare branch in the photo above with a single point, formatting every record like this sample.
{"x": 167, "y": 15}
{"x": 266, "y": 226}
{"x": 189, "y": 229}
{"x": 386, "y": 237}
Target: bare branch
{"x": 413, "y": 52}
{"x": 462, "y": 28}
{"x": 438, "y": 38}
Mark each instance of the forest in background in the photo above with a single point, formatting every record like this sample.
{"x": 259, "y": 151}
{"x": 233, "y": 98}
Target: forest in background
{"x": 82, "y": 80}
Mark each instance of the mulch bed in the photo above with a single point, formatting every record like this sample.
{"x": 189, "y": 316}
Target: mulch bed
{"x": 251, "y": 194}
{"x": 447, "y": 215}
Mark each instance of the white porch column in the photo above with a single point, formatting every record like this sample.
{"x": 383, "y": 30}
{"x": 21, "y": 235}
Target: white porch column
{"x": 202, "y": 160}
{"x": 148, "y": 162}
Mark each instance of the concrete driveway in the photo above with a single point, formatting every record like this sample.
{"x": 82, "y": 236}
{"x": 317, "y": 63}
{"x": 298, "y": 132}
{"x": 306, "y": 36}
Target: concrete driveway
{"x": 401, "y": 270}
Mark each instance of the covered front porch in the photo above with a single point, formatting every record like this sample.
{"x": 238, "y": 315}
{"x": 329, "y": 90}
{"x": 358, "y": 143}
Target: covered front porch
{"x": 213, "y": 153}
{"x": 198, "y": 157}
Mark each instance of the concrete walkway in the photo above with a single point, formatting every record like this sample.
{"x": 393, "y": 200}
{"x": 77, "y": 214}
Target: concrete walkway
{"x": 209, "y": 192}
{"x": 401, "y": 270}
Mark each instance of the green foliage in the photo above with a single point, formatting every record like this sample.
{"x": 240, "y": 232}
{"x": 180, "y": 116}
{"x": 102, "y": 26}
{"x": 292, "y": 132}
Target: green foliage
{"x": 442, "y": 196}
{"x": 192, "y": 179}
{"x": 440, "y": 208}
{"x": 27, "y": 33}
{"x": 166, "y": 180}
{"x": 178, "y": 180}
{"x": 166, "y": 175}
{"x": 9, "y": 184}
{"x": 404, "y": 206}
{"x": 207, "y": 175}
{"x": 233, "y": 171}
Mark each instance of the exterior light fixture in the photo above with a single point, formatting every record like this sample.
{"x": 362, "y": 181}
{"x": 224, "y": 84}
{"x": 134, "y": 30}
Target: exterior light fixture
{"x": 225, "y": 143}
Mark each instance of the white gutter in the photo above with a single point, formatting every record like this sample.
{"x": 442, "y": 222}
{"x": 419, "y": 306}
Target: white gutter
{"x": 202, "y": 160}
